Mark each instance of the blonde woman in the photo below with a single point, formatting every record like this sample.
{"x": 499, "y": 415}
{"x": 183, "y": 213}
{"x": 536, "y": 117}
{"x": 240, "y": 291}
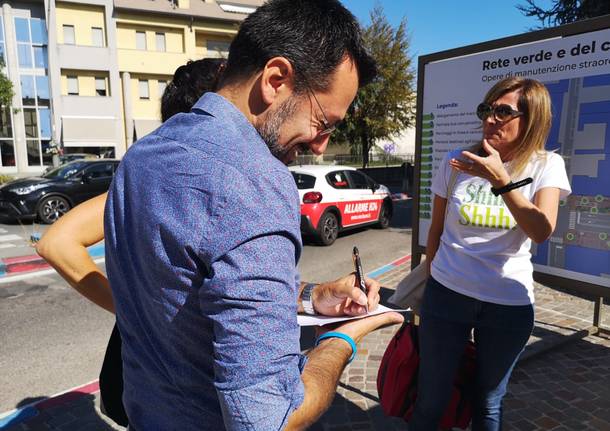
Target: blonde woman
{"x": 506, "y": 194}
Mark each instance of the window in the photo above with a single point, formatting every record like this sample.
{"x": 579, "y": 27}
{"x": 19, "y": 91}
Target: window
{"x": 217, "y": 48}
{"x": 97, "y": 36}
{"x": 69, "y": 35}
{"x": 39, "y": 31}
{"x": 338, "y": 180}
{"x": 33, "y": 149}
{"x": 100, "y": 86}
{"x": 40, "y": 56}
{"x": 24, "y": 52}
{"x": 42, "y": 90}
{"x": 100, "y": 170}
{"x": 72, "y": 85}
{"x": 162, "y": 87}
{"x": 358, "y": 180}
{"x": 45, "y": 122}
{"x": 2, "y": 51}
{"x": 304, "y": 181}
{"x": 7, "y": 151}
{"x": 6, "y": 128}
{"x": 160, "y": 41}
{"x": 141, "y": 40}
{"x": 22, "y": 30}
{"x": 143, "y": 88}
{"x": 31, "y": 123}
{"x": 28, "y": 91}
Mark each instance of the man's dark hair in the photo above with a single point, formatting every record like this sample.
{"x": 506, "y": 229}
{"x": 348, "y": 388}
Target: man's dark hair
{"x": 189, "y": 83}
{"x": 314, "y": 35}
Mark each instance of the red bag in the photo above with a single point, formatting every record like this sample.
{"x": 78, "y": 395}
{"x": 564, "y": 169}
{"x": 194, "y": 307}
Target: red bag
{"x": 397, "y": 380}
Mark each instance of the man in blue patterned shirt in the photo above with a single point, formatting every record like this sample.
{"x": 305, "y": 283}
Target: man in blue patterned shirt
{"x": 202, "y": 234}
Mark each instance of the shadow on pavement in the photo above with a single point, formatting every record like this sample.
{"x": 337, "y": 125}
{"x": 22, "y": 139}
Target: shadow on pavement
{"x": 78, "y": 414}
{"x": 357, "y": 415}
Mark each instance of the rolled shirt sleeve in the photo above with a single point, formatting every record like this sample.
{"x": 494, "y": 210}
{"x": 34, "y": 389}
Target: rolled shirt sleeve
{"x": 251, "y": 298}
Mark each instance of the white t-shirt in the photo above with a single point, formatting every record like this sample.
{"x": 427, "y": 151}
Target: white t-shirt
{"x": 483, "y": 253}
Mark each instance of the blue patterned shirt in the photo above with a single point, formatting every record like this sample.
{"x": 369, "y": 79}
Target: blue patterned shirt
{"x": 202, "y": 242}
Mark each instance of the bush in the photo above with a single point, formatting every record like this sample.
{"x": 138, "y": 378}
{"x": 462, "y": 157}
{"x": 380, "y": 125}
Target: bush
{"x": 6, "y": 178}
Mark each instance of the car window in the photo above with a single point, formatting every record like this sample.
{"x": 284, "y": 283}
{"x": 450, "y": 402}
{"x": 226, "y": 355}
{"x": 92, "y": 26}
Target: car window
{"x": 358, "y": 180}
{"x": 65, "y": 171}
{"x": 338, "y": 180}
{"x": 304, "y": 181}
{"x": 100, "y": 170}
{"x": 371, "y": 182}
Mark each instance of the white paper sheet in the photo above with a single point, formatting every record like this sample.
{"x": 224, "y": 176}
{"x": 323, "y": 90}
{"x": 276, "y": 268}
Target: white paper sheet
{"x": 307, "y": 320}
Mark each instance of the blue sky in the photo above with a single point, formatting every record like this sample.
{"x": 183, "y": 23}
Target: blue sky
{"x": 437, "y": 25}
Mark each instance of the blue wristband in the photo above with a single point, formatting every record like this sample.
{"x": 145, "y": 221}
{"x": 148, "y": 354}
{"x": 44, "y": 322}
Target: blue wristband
{"x": 347, "y": 338}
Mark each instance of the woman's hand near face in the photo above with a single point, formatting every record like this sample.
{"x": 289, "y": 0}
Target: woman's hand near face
{"x": 64, "y": 246}
{"x": 490, "y": 168}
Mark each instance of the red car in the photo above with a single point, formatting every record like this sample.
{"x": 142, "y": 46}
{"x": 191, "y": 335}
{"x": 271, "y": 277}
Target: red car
{"x": 335, "y": 198}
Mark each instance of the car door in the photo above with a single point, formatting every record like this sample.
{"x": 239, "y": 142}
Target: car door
{"x": 95, "y": 180}
{"x": 364, "y": 206}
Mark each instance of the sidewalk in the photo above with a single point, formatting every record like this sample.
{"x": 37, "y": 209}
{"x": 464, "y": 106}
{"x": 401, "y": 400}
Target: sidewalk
{"x": 567, "y": 388}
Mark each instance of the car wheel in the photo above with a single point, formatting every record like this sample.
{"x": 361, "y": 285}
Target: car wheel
{"x": 328, "y": 229}
{"x": 52, "y": 208}
{"x": 385, "y": 216}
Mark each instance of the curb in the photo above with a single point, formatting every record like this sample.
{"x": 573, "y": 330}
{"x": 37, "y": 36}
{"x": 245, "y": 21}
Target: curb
{"x": 25, "y": 413}
{"x": 32, "y": 263}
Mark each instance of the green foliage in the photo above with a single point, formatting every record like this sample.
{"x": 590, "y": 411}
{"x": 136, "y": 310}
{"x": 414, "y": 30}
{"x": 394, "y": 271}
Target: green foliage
{"x": 6, "y": 178}
{"x": 387, "y": 105}
{"x": 6, "y": 87}
{"x": 565, "y": 11}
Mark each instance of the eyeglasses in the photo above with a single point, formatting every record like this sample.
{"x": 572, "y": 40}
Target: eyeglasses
{"x": 501, "y": 113}
{"x": 328, "y": 128}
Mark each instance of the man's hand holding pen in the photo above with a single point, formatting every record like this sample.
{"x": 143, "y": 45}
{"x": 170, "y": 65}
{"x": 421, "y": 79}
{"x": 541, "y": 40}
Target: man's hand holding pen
{"x": 344, "y": 297}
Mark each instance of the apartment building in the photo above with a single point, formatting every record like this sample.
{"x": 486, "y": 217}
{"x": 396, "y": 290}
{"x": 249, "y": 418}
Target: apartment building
{"x": 89, "y": 74}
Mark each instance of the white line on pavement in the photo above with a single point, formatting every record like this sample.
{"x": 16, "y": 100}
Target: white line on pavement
{"x": 5, "y": 238}
{"x": 28, "y": 275}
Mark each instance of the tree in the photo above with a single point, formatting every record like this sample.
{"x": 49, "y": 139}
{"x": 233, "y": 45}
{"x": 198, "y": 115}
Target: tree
{"x": 387, "y": 105}
{"x": 6, "y": 88}
{"x": 565, "y": 11}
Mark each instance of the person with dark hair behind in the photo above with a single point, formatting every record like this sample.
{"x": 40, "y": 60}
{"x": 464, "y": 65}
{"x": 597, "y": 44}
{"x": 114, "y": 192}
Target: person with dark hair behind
{"x": 203, "y": 236}
{"x": 64, "y": 244}
{"x": 189, "y": 82}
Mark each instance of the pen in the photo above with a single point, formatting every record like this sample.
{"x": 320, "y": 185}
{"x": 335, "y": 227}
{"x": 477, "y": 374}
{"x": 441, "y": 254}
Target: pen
{"x": 359, "y": 276}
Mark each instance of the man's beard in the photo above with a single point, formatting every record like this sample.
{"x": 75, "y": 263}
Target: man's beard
{"x": 270, "y": 129}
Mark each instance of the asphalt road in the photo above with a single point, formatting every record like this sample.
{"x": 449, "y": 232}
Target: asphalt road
{"x": 51, "y": 339}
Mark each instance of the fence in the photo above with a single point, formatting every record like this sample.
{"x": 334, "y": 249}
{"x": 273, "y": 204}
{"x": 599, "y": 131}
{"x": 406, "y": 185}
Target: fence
{"x": 355, "y": 159}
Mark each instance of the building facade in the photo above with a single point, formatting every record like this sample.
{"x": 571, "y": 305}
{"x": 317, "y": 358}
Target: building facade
{"x": 89, "y": 74}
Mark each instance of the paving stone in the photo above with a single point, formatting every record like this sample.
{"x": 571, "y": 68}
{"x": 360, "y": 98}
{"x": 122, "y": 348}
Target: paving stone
{"x": 564, "y": 389}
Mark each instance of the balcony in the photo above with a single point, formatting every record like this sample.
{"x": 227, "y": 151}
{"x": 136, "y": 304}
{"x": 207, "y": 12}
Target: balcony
{"x": 82, "y": 57}
{"x": 150, "y": 62}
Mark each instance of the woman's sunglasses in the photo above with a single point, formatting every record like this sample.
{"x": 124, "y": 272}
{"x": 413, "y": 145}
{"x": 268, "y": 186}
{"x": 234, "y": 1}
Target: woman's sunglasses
{"x": 501, "y": 113}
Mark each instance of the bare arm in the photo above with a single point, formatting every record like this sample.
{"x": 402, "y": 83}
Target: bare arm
{"x": 324, "y": 367}
{"x": 436, "y": 229}
{"x": 64, "y": 246}
{"x": 536, "y": 219}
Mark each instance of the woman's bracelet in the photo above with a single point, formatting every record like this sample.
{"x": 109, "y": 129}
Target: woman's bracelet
{"x": 344, "y": 337}
{"x": 511, "y": 186}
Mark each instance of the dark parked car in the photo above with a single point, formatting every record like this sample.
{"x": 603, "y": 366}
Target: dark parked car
{"x": 54, "y": 193}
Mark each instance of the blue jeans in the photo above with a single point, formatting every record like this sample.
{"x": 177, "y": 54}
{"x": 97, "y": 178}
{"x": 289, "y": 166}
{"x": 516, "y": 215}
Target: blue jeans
{"x": 500, "y": 334}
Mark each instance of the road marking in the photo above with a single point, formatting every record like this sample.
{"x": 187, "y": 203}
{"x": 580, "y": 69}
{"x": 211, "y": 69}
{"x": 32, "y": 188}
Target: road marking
{"x": 392, "y": 265}
{"x": 29, "y": 411}
{"x": 5, "y": 238}
{"x": 7, "y": 245}
{"x": 21, "y": 277}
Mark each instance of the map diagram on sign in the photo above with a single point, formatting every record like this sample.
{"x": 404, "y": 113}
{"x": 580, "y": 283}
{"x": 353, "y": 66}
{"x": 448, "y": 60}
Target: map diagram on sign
{"x": 581, "y": 134}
